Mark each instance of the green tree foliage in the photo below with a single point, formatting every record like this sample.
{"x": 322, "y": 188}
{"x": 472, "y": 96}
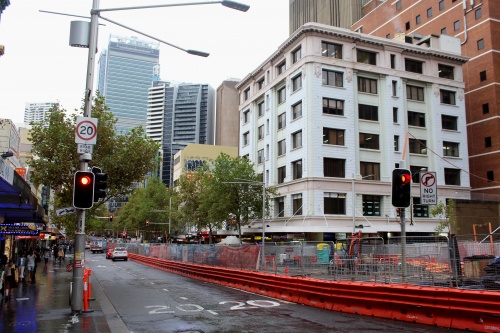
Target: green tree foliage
{"x": 3, "y": 5}
{"x": 446, "y": 212}
{"x": 126, "y": 158}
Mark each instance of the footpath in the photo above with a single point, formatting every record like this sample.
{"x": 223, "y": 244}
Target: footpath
{"x": 43, "y": 306}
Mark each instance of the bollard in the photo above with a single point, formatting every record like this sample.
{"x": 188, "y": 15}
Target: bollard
{"x": 86, "y": 291}
{"x": 90, "y": 286}
{"x": 286, "y": 270}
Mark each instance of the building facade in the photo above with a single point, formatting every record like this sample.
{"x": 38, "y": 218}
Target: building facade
{"x": 227, "y": 116}
{"x": 35, "y": 112}
{"x": 126, "y": 70}
{"x": 333, "y": 112}
{"x": 475, "y": 23}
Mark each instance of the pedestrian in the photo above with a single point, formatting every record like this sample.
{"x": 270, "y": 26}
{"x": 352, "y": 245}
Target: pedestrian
{"x": 9, "y": 279}
{"x": 31, "y": 265}
{"x": 65, "y": 247}
{"x": 54, "y": 248}
{"x": 60, "y": 255}
{"x": 21, "y": 266}
{"x": 46, "y": 256}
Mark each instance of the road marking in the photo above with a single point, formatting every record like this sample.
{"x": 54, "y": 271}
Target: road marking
{"x": 213, "y": 312}
{"x": 165, "y": 290}
{"x": 184, "y": 298}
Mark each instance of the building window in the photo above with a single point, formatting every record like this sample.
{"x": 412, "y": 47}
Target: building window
{"x": 456, "y": 25}
{"x": 446, "y": 72}
{"x": 371, "y": 205}
{"x": 396, "y": 142}
{"x": 367, "y": 85}
{"x": 260, "y": 107}
{"x": 297, "y": 82}
{"x": 480, "y": 44}
{"x": 407, "y": 25}
{"x": 414, "y": 93}
{"x": 281, "y": 147}
{"x": 417, "y": 146}
{"x": 334, "y": 203}
{"x": 394, "y": 88}
{"x": 416, "y": 119}
{"x": 260, "y": 84}
{"x": 368, "y": 112}
{"x": 415, "y": 173}
{"x": 297, "y": 140}
{"x": 246, "y": 94}
{"x": 333, "y": 78}
{"x": 246, "y": 138}
{"x": 479, "y": 14}
{"x": 261, "y": 132}
{"x": 395, "y": 115}
{"x": 296, "y": 55}
{"x": 333, "y": 136}
{"x": 369, "y": 170}
{"x": 413, "y": 66}
{"x": 281, "y": 174}
{"x": 487, "y": 142}
{"x": 280, "y": 206}
{"x": 297, "y": 203}
{"x": 429, "y": 12}
{"x": 447, "y": 97}
{"x": 333, "y": 106}
{"x": 482, "y": 76}
{"x": 418, "y": 19}
{"x": 393, "y": 61}
{"x": 450, "y": 149}
{"x": 281, "y": 67}
{"x": 368, "y": 141}
{"x": 366, "y": 57}
{"x": 398, "y": 5}
{"x": 260, "y": 156}
{"x": 441, "y": 5}
{"x": 490, "y": 176}
{"x": 333, "y": 167}
{"x": 331, "y": 50}
{"x": 451, "y": 176}
{"x": 281, "y": 95}
{"x": 297, "y": 169}
{"x": 282, "y": 121}
{"x": 449, "y": 122}
{"x": 486, "y": 108}
{"x": 443, "y": 31}
{"x": 418, "y": 209}
{"x": 246, "y": 116}
{"x": 297, "y": 110}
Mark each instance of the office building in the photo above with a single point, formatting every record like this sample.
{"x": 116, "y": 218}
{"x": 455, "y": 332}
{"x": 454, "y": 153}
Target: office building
{"x": 126, "y": 70}
{"x": 332, "y": 112}
{"x": 475, "y": 23}
{"x": 227, "y": 116}
{"x": 35, "y": 112}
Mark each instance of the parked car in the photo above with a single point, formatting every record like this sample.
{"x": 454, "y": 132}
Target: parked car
{"x": 119, "y": 253}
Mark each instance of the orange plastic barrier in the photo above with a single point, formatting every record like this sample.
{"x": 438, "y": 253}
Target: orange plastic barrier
{"x": 451, "y": 308}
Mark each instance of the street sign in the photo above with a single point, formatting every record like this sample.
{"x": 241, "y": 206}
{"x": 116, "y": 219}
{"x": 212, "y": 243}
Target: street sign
{"x": 428, "y": 188}
{"x": 86, "y": 130}
{"x": 65, "y": 211}
{"x": 85, "y": 149}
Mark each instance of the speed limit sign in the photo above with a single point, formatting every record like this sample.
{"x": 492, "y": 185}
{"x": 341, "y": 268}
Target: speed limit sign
{"x": 86, "y": 130}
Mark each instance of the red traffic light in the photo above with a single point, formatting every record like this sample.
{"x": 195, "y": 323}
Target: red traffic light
{"x": 83, "y": 190}
{"x": 85, "y": 180}
{"x": 401, "y": 188}
{"x": 405, "y": 178}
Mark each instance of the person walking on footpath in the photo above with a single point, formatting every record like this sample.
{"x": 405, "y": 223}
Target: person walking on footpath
{"x": 46, "y": 256}
{"x": 60, "y": 255}
{"x": 31, "y": 265}
{"x": 9, "y": 279}
{"x": 22, "y": 266}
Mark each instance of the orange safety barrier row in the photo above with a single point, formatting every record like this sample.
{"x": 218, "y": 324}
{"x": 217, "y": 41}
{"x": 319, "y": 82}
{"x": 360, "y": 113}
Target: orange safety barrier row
{"x": 477, "y": 311}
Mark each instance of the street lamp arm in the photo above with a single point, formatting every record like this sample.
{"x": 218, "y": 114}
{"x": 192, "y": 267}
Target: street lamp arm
{"x": 193, "y": 52}
{"x": 225, "y": 3}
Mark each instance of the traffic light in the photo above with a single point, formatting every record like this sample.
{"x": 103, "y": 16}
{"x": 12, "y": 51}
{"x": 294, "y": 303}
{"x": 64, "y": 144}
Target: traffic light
{"x": 110, "y": 218}
{"x": 147, "y": 223}
{"x": 401, "y": 188}
{"x": 83, "y": 190}
{"x": 99, "y": 184}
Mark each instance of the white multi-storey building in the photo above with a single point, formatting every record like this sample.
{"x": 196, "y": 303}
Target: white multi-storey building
{"x": 35, "y": 112}
{"x": 333, "y": 112}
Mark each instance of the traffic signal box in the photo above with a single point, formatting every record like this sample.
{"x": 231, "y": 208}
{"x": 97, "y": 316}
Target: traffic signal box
{"x": 99, "y": 184}
{"x": 401, "y": 188}
{"x": 110, "y": 218}
{"x": 83, "y": 190}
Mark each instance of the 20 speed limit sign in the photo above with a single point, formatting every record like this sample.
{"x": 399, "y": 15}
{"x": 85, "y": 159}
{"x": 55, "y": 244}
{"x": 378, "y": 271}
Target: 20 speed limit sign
{"x": 86, "y": 130}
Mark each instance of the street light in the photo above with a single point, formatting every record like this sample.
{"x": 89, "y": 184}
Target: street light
{"x": 86, "y": 34}
{"x": 354, "y": 200}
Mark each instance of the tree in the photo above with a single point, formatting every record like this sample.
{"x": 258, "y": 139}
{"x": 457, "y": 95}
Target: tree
{"x": 126, "y": 158}
{"x": 3, "y": 5}
{"x": 234, "y": 188}
{"x": 446, "y": 210}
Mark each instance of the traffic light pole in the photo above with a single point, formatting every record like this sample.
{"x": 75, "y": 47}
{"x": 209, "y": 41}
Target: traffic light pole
{"x": 403, "y": 245}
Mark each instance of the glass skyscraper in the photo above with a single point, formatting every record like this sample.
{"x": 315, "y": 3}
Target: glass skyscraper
{"x": 125, "y": 73}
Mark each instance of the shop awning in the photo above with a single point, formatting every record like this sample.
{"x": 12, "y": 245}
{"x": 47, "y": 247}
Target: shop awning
{"x": 13, "y": 208}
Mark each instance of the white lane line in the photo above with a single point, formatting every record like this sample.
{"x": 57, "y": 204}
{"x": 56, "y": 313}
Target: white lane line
{"x": 184, "y": 298}
{"x": 213, "y": 312}
{"x": 165, "y": 289}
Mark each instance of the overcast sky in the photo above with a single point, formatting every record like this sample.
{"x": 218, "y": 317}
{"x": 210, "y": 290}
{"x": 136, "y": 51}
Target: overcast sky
{"x": 40, "y": 66}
